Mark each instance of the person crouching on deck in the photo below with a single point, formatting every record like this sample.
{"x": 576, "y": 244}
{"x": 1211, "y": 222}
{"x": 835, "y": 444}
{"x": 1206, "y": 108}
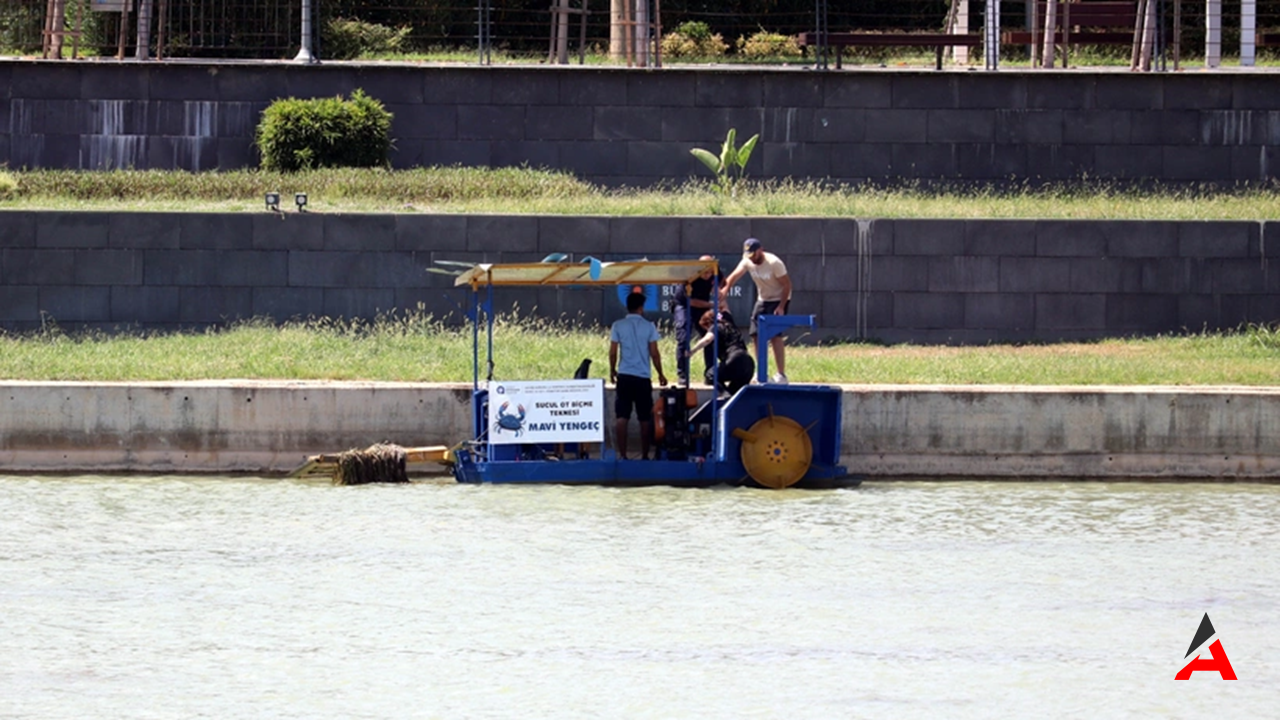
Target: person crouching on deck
{"x": 633, "y": 342}
{"x": 736, "y": 365}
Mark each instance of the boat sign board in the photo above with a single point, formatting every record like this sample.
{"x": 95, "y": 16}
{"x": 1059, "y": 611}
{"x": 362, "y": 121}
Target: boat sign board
{"x": 546, "y": 411}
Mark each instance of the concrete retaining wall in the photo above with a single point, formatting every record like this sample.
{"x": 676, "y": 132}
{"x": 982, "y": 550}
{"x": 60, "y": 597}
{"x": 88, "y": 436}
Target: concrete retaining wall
{"x": 1063, "y": 432}
{"x": 889, "y": 431}
{"x": 636, "y": 127}
{"x": 922, "y": 281}
{"x": 229, "y": 426}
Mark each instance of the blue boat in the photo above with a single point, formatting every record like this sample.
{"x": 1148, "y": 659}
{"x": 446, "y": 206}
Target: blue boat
{"x": 554, "y": 431}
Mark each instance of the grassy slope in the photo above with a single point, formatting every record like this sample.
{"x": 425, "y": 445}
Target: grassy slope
{"x": 425, "y": 350}
{"x": 514, "y": 190}
{"x": 420, "y": 349}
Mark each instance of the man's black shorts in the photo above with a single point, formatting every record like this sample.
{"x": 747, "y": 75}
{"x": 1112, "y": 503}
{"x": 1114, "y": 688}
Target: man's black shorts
{"x": 763, "y": 307}
{"x": 637, "y": 391}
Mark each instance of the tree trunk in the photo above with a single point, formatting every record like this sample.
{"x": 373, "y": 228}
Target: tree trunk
{"x": 1050, "y": 33}
{"x": 1149, "y": 37}
{"x": 1136, "y": 53}
{"x": 143, "y": 51}
{"x": 616, "y": 36}
{"x": 57, "y": 28}
{"x": 1144, "y": 37}
{"x": 641, "y": 10}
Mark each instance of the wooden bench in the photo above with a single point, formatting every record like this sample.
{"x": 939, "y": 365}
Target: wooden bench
{"x": 1089, "y": 22}
{"x": 938, "y": 41}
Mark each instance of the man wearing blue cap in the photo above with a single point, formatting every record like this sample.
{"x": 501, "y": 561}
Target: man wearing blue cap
{"x": 773, "y": 294}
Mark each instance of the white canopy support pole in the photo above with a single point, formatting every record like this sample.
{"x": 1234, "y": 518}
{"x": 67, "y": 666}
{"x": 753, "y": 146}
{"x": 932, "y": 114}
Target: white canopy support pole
{"x": 1212, "y": 33}
{"x": 1248, "y": 31}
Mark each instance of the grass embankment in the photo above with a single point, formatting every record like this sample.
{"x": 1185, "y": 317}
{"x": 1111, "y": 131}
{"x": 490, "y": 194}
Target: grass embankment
{"x": 421, "y": 349}
{"x": 528, "y": 191}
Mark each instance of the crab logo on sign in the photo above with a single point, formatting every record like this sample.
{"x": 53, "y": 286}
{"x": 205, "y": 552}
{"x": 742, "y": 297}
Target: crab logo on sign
{"x": 511, "y": 422}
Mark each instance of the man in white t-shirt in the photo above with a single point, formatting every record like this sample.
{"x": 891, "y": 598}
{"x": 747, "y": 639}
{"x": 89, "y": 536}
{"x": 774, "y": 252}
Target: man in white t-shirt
{"x": 773, "y": 295}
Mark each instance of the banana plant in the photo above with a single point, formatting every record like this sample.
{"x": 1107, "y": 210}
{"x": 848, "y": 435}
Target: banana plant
{"x": 730, "y": 166}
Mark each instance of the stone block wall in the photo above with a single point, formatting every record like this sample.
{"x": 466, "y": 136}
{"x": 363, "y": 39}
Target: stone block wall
{"x": 923, "y": 281}
{"x": 621, "y": 126}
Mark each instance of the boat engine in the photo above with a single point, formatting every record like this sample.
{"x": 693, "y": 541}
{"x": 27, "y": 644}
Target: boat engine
{"x": 675, "y": 422}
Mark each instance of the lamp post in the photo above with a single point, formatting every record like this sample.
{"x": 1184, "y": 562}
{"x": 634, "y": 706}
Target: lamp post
{"x": 991, "y": 35}
{"x": 304, "y": 53}
{"x": 1212, "y": 33}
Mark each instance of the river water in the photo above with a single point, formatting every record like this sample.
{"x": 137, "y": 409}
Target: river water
{"x": 172, "y": 597}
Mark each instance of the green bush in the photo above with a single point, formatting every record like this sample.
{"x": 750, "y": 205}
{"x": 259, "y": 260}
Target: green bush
{"x": 8, "y": 185}
{"x": 693, "y": 40}
{"x": 345, "y": 39}
{"x": 766, "y": 45}
{"x": 695, "y": 31}
{"x": 324, "y": 132}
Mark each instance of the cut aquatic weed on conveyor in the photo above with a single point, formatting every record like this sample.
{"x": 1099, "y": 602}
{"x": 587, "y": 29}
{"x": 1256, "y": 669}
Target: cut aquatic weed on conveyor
{"x": 379, "y": 463}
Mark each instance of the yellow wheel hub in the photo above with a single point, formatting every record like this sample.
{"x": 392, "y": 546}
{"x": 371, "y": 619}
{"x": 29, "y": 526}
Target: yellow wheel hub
{"x": 776, "y": 451}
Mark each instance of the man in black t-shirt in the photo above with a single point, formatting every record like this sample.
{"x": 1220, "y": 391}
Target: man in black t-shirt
{"x": 736, "y": 365}
{"x": 687, "y": 314}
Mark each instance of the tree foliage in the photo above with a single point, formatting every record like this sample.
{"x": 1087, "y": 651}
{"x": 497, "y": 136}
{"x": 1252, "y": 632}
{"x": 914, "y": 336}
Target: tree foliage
{"x": 269, "y": 28}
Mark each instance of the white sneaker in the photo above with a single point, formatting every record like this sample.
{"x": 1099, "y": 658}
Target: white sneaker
{"x": 779, "y": 379}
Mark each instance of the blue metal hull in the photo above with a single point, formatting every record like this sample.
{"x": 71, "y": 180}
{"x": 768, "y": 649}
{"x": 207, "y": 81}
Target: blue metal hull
{"x": 629, "y": 473}
{"x": 715, "y": 459}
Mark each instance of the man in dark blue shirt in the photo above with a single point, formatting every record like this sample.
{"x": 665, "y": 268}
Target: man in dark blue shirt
{"x": 691, "y": 302}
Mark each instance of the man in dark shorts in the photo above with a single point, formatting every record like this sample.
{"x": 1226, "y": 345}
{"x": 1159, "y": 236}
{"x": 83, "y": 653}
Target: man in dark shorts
{"x": 633, "y": 342}
{"x": 773, "y": 295}
{"x": 697, "y": 295}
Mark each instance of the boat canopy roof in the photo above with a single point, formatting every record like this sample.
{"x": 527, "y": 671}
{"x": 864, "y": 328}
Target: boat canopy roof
{"x": 590, "y": 272}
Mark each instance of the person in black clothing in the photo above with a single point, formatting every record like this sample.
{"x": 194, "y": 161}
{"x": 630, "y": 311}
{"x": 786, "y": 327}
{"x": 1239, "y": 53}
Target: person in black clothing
{"x": 736, "y": 365}
{"x": 687, "y": 316}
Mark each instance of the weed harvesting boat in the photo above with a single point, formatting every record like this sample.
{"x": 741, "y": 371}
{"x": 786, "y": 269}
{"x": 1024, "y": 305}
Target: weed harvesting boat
{"x": 555, "y": 431}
